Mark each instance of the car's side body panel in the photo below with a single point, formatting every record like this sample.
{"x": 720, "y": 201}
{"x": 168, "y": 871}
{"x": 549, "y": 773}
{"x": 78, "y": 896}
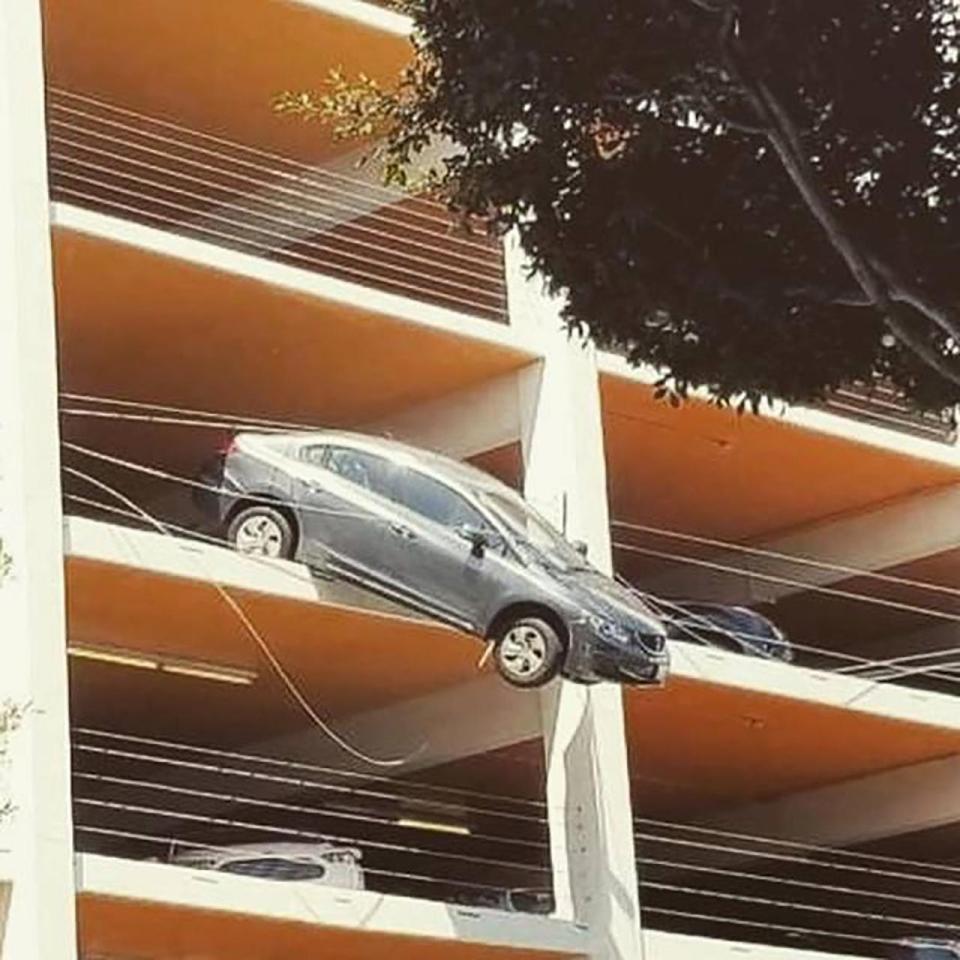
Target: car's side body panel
{"x": 390, "y": 520}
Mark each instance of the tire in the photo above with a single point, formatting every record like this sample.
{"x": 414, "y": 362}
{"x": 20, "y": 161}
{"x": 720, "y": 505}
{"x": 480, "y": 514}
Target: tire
{"x": 261, "y": 531}
{"x": 528, "y": 652}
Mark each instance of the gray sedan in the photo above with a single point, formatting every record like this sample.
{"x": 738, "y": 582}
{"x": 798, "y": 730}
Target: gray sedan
{"x": 440, "y": 537}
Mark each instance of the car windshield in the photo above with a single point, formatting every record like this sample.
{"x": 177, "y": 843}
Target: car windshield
{"x": 533, "y": 531}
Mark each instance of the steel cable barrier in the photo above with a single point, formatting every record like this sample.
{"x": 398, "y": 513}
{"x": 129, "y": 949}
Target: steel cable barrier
{"x": 122, "y": 163}
{"x": 160, "y": 800}
{"x": 718, "y": 883}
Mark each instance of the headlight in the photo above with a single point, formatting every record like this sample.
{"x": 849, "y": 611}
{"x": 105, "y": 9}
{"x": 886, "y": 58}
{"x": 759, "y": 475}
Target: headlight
{"x": 610, "y": 629}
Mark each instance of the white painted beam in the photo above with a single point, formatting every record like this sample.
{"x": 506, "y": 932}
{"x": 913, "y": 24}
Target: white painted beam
{"x": 6, "y": 888}
{"x": 36, "y": 838}
{"x": 904, "y": 800}
{"x": 318, "y": 906}
{"x": 660, "y": 945}
{"x": 896, "y": 533}
{"x": 171, "y": 556}
{"x": 588, "y": 790}
{"x": 306, "y": 282}
{"x": 461, "y": 424}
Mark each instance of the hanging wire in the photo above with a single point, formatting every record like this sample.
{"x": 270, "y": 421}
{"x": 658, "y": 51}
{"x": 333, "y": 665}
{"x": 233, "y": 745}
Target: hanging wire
{"x": 933, "y": 672}
{"x": 261, "y": 643}
{"x": 860, "y": 662}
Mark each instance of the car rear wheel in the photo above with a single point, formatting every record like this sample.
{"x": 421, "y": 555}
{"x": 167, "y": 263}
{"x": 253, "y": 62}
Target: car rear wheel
{"x": 528, "y": 652}
{"x": 261, "y": 531}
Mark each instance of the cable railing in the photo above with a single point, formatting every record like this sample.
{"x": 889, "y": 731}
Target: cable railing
{"x": 208, "y": 807}
{"x": 912, "y": 603}
{"x": 156, "y": 800}
{"x": 928, "y": 665}
{"x": 880, "y": 404}
{"x": 717, "y": 883}
{"x": 161, "y": 174}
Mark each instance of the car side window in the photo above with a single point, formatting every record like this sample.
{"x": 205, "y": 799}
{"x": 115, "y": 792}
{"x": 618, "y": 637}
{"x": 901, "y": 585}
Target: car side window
{"x": 437, "y": 502}
{"x": 314, "y": 454}
{"x": 376, "y": 474}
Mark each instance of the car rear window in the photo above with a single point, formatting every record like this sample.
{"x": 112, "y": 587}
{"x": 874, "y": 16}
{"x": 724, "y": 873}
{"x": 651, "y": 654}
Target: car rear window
{"x": 276, "y": 868}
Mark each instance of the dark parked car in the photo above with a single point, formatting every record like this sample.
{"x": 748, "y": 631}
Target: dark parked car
{"x": 443, "y": 538}
{"x": 720, "y": 625}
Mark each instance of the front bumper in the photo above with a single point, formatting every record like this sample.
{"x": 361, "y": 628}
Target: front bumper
{"x": 592, "y": 658}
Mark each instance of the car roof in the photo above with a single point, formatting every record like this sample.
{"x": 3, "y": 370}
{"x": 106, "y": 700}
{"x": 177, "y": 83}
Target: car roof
{"x": 430, "y": 462}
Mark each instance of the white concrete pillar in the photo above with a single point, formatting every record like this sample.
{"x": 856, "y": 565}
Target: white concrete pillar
{"x": 36, "y": 847}
{"x": 588, "y": 788}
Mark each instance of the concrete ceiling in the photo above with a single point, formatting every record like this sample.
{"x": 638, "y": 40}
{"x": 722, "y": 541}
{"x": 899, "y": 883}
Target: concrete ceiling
{"x": 694, "y": 746}
{"x": 138, "y": 326}
{"x": 214, "y": 67}
{"x": 712, "y": 472}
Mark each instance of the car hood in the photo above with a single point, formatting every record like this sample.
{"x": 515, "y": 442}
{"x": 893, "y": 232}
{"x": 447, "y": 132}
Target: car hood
{"x": 603, "y": 596}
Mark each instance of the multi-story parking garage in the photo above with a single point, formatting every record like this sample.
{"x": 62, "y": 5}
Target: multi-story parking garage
{"x": 181, "y": 264}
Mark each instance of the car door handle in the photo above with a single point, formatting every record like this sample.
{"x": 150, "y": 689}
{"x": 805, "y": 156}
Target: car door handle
{"x": 402, "y": 531}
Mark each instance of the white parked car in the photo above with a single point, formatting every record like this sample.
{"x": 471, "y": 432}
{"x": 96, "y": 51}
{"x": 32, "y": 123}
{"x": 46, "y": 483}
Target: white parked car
{"x": 321, "y": 863}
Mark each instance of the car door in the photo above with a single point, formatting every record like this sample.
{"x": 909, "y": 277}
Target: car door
{"x": 431, "y": 558}
{"x": 339, "y": 490}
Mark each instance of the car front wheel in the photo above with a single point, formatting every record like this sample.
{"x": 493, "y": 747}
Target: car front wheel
{"x": 261, "y": 531}
{"x": 528, "y": 652}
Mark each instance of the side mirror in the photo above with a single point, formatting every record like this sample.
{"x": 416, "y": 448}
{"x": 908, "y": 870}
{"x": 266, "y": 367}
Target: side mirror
{"x": 478, "y": 539}
{"x": 581, "y": 547}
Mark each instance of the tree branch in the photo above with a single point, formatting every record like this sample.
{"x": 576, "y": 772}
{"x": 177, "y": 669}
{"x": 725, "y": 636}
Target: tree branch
{"x": 785, "y": 139}
{"x": 910, "y": 294}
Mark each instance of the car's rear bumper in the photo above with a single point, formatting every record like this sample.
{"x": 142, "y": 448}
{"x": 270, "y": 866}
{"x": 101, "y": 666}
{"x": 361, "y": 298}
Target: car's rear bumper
{"x": 211, "y": 497}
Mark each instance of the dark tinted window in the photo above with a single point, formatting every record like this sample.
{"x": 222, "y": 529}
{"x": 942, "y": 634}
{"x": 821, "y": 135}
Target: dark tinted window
{"x": 367, "y": 470}
{"x": 437, "y": 502}
{"x": 275, "y": 868}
